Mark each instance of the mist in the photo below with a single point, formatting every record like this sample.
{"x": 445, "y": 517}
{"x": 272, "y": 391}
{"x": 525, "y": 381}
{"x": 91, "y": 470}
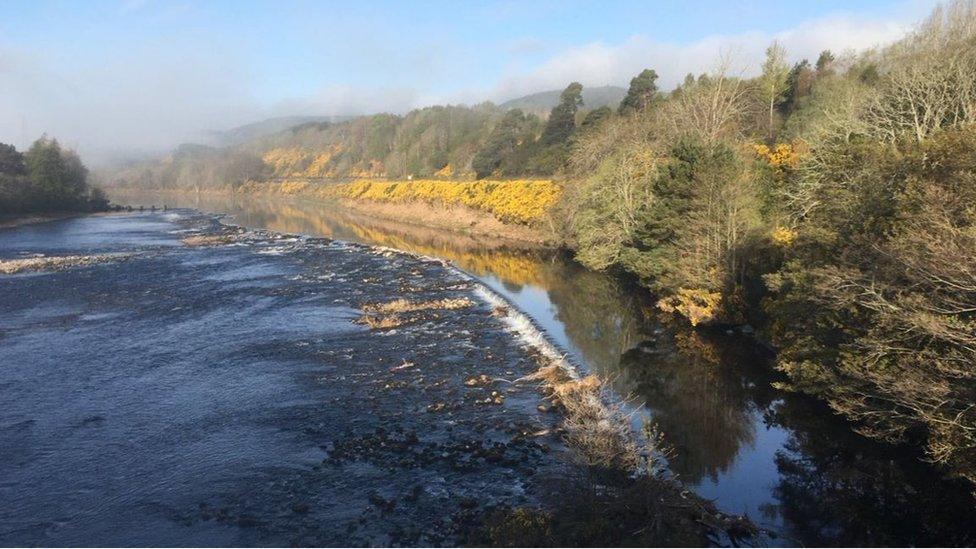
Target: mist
{"x": 140, "y": 92}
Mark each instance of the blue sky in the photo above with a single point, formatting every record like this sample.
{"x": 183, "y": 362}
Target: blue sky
{"x": 145, "y": 74}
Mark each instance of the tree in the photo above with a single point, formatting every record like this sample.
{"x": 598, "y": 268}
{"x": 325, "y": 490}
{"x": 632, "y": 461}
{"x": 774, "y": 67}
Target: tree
{"x": 11, "y": 161}
{"x": 708, "y": 109}
{"x": 501, "y": 143}
{"x": 799, "y": 84}
{"x": 643, "y": 89}
{"x": 57, "y": 176}
{"x": 14, "y": 187}
{"x": 595, "y": 118}
{"x": 825, "y": 63}
{"x": 562, "y": 118}
{"x": 773, "y": 82}
{"x": 46, "y": 178}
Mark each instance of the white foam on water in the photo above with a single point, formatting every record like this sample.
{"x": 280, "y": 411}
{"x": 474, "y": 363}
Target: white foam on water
{"x": 520, "y": 324}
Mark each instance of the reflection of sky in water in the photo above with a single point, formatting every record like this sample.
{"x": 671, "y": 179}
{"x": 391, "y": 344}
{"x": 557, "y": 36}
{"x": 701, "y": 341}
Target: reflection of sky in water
{"x": 534, "y": 302}
{"x": 745, "y": 487}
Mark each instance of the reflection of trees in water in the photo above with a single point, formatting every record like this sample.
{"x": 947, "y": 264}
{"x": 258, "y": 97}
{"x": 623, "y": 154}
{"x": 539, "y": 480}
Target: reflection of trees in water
{"x": 601, "y": 315}
{"x": 479, "y": 255}
{"x": 838, "y": 488}
{"x": 700, "y": 398}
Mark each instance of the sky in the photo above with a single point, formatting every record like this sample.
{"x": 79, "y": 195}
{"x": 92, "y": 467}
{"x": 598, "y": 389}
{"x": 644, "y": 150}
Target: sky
{"x": 140, "y": 76}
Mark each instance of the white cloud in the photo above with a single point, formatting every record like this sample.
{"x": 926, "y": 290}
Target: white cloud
{"x": 137, "y": 101}
{"x": 601, "y": 63}
{"x": 153, "y": 96}
{"x": 348, "y": 100}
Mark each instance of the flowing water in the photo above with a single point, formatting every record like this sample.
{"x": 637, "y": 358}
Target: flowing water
{"x": 781, "y": 458}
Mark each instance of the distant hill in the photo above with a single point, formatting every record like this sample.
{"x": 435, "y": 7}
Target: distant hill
{"x": 248, "y": 132}
{"x": 541, "y": 103}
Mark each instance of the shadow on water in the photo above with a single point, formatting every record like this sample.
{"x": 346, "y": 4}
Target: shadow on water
{"x": 782, "y": 458}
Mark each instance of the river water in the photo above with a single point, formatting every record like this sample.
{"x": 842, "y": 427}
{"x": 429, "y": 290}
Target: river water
{"x": 782, "y": 459}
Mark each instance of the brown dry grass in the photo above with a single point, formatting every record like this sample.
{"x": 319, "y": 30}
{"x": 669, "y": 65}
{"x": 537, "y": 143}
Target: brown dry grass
{"x": 209, "y": 239}
{"x": 646, "y": 508}
{"x": 451, "y": 218}
{"x": 385, "y": 316}
{"x": 13, "y": 266}
{"x": 383, "y": 322}
{"x": 407, "y": 306}
{"x": 600, "y": 432}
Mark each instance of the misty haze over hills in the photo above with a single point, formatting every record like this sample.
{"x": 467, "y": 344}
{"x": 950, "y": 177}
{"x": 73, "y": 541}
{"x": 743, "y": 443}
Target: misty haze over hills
{"x": 536, "y": 103}
{"x": 172, "y": 83}
{"x": 542, "y": 102}
{"x": 241, "y": 134}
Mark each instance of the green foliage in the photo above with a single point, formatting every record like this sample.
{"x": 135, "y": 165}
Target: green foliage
{"x": 438, "y": 141}
{"x": 541, "y": 103}
{"x": 887, "y": 295}
{"x": 11, "y": 161}
{"x": 799, "y": 84}
{"x": 562, "y": 119}
{"x": 46, "y": 178}
{"x": 503, "y": 143}
{"x": 595, "y": 118}
{"x": 825, "y": 63}
{"x": 609, "y": 204}
{"x": 643, "y": 90}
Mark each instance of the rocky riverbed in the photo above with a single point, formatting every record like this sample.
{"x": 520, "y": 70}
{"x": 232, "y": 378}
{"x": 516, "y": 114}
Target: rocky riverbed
{"x": 169, "y": 380}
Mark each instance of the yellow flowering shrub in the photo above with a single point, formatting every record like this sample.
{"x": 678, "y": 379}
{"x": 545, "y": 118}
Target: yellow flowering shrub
{"x": 298, "y": 162}
{"x": 783, "y": 236}
{"x": 698, "y": 306}
{"x": 288, "y": 162}
{"x": 446, "y": 171}
{"x": 520, "y": 201}
{"x": 782, "y": 156}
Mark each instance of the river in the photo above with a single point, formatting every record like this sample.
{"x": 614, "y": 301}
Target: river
{"x": 780, "y": 458}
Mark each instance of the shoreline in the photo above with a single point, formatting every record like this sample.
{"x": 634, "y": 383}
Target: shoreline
{"x": 18, "y": 220}
{"x": 455, "y": 219}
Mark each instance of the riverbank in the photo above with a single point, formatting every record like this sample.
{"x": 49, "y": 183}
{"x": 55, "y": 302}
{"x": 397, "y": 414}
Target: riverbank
{"x": 229, "y": 379}
{"x": 454, "y": 218}
{"x": 10, "y": 221}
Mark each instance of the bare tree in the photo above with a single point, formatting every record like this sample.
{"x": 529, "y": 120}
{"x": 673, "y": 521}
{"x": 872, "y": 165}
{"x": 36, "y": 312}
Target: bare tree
{"x": 773, "y": 82}
{"x": 711, "y": 109}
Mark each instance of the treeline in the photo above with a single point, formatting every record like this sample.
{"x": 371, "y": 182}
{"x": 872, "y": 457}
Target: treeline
{"x": 832, "y": 204}
{"x": 440, "y": 141}
{"x": 47, "y": 178}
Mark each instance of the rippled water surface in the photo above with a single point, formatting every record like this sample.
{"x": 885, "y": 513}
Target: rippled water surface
{"x": 780, "y": 458}
{"x": 226, "y": 396}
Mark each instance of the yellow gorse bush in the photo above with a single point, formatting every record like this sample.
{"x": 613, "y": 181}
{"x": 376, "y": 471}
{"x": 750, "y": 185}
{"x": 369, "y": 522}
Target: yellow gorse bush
{"x": 698, "y": 306}
{"x": 520, "y": 201}
{"x": 446, "y": 171}
{"x": 298, "y": 162}
{"x": 781, "y": 156}
{"x": 783, "y": 236}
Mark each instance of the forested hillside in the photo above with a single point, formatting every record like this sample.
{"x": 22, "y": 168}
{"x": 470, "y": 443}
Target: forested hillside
{"x": 542, "y": 102}
{"x": 831, "y": 202}
{"x": 439, "y": 141}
